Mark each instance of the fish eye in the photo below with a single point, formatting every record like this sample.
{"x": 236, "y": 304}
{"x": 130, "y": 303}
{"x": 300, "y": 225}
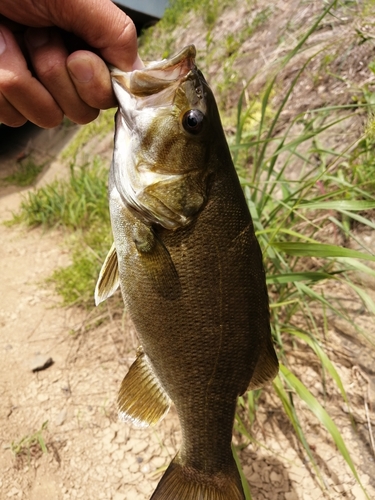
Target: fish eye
{"x": 192, "y": 121}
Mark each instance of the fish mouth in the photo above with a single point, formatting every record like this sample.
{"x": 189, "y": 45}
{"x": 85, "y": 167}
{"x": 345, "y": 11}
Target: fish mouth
{"x": 157, "y": 76}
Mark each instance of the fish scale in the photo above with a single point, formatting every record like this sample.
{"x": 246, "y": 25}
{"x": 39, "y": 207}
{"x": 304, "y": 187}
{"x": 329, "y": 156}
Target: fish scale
{"x": 190, "y": 270}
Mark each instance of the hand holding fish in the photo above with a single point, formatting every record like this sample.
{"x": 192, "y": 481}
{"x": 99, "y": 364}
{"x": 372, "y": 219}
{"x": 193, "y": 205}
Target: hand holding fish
{"x": 42, "y": 75}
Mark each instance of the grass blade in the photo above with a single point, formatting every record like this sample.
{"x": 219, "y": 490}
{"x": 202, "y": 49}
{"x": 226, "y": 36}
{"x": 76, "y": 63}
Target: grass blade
{"x": 319, "y": 250}
{"x": 245, "y": 484}
{"x": 301, "y": 276}
{"x": 339, "y": 205}
{"x": 321, "y": 414}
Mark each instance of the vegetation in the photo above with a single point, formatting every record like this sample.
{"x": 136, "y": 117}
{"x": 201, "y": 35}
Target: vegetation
{"x": 308, "y": 181}
{"x": 79, "y": 205}
{"x": 30, "y": 445}
{"x": 25, "y": 174}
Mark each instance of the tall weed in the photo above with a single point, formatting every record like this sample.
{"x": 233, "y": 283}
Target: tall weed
{"x": 299, "y": 191}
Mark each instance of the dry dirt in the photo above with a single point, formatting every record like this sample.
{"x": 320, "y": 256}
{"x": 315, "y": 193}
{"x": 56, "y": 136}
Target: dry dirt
{"x": 90, "y": 454}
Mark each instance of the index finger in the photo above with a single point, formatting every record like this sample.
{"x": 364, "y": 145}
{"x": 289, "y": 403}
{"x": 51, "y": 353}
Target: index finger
{"x": 103, "y": 26}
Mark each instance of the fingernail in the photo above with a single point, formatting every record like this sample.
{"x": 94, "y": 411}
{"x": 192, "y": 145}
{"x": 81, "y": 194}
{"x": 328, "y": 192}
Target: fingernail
{"x": 2, "y": 43}
{"x": 81, "y": 70}
{"x": 37, "y": 37}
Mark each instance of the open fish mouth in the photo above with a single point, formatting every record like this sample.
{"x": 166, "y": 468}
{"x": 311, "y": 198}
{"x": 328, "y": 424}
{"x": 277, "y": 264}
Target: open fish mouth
{"x": 156, "y": 77}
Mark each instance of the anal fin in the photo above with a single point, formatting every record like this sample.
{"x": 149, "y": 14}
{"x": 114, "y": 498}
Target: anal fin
{"x": 109, "y": 279}
{"x": 141, "y": 400}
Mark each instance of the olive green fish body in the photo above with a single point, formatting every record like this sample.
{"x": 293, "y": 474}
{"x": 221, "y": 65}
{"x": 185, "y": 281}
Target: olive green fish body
{"x": 192, "y": 279}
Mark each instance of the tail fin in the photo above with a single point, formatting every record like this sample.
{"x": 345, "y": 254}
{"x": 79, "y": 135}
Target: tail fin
{"x": 184, "y": 483}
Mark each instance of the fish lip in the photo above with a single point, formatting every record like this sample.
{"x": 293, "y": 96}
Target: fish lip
{"x": 157, "y": 76}
{"x": 186, "y": 55}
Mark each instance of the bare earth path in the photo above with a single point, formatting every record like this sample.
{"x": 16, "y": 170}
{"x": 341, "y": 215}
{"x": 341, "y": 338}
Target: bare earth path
{"x": 91, "y": 454}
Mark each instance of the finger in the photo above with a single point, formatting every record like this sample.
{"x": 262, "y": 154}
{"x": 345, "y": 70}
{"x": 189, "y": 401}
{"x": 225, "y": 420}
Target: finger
{"x": 91, "y": 78}
{"x": 20, "y": 89}
{"x": 9, "y": 115}
{"x": 48, "y": 56}
{"x": 99, "y": 22}
{"x": 103, "y": 26}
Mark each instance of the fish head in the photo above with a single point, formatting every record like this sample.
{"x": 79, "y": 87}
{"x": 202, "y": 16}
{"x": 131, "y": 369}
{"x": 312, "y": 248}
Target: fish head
{"x": 164, "y": 140}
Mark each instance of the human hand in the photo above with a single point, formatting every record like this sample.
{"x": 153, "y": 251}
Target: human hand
{"x": 41, "y": 79}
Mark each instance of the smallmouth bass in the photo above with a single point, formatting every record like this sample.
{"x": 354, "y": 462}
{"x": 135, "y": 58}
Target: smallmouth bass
{"x": 190, "y": 270}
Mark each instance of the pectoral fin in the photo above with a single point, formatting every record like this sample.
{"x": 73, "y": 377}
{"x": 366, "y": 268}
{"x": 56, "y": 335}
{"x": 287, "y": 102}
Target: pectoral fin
{"x": 108, "y": 280}
{"x": 142, "y": 400}
{"x": 157, "y": 262}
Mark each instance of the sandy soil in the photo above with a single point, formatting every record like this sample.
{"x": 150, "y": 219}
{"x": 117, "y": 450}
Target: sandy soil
{"x": 91, "y": 454}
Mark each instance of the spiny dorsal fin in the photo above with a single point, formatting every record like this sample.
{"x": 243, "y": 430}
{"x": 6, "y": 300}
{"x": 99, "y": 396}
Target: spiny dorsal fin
{"x": 141, "y": 399}
{"x": 108, "y": 280}
{"x": 266, "y": 368}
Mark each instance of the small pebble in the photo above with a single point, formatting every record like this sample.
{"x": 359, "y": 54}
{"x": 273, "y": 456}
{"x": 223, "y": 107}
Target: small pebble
{"x": 61, "y": 417}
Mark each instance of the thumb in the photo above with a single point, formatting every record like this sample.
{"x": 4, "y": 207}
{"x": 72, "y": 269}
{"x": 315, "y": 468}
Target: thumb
{"x": 104, "y": 27}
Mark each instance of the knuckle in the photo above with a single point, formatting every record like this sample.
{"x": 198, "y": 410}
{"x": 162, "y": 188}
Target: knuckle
{"x": 10, "y": 82}
{"x": 49, "y": 71}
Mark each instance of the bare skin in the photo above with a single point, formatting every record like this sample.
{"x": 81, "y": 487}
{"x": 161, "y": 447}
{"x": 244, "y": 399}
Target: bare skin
{"x": 47, "y": 72}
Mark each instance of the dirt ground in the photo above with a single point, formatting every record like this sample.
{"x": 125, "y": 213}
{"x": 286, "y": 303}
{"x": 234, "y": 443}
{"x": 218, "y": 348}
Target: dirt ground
{"x": 90, "y": 453}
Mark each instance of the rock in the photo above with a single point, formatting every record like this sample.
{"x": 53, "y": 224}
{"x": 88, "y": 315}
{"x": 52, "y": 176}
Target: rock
{"x": 275, "y": 477}
{"x": 134, "y": 467}
{"x": 40, "y": 362}
{"x": 132, "y": 494}
{"x": 119, "y": 496}
{"x": 158, "y": 462}
{"x": 291, "y": 495}
{"x": 139, "y": 447}
{"x": 13, "y": 492}
{"x": 61, "y": 417}
{"x": 42, "y": 397}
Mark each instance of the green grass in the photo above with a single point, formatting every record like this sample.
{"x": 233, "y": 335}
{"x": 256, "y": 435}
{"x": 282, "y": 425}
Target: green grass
{"x": 80, "y": 205}
{"x": 332, "y": 189}
{"x": 77, "y": 203}
{"x": 30, "y": 445}
{"x": 25, "y": 174}
{"x": 76, "y": 282}
{"x": 177, "y": 13}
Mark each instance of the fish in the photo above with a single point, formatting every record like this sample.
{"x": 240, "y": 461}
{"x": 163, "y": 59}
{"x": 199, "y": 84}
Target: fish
{"x": 190, "y": 269}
